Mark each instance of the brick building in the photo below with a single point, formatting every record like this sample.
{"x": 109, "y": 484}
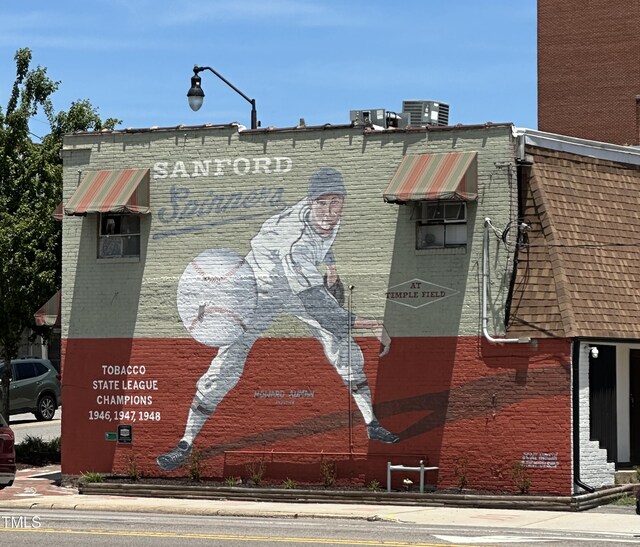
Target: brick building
{"x": 200, "y": 305}
{"x": 589, "y": 69}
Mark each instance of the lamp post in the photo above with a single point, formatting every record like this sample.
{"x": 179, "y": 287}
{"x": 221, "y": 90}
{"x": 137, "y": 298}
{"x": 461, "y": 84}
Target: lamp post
{"x": 195, "y": 94}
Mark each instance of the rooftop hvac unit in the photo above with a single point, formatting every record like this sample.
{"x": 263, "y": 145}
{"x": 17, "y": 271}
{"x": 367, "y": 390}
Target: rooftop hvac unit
{"x": 426, "y": 112}
{"x": 375, "y": 116}
{"x": 380, "y": 117}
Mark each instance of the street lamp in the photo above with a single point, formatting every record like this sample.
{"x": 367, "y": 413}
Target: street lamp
{"x": 196, "y": 94}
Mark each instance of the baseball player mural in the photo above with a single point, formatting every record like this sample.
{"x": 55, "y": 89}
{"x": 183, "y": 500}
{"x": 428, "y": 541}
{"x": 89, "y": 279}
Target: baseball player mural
{"x": 227, "y": 301}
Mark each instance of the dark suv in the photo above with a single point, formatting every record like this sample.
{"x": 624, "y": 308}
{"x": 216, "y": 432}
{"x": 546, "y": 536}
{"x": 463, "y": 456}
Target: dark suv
{"x": 35, "y": 387}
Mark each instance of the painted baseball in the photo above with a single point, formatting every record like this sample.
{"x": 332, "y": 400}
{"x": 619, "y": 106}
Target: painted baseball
{"x": 217, "y": 297}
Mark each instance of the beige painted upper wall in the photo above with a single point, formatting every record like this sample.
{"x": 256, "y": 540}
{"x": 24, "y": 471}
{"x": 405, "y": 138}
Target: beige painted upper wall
{"x": 214, "y": 188}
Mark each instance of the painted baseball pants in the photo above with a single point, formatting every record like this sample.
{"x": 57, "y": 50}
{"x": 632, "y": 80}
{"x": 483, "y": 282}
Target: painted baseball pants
{"x": 226, "y": 368}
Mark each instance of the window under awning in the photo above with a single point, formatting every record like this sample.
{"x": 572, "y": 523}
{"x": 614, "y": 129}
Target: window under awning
{"x": 111, "y": 191}
{"x": 49, "y": 314}
{"x": 447, "y": 176}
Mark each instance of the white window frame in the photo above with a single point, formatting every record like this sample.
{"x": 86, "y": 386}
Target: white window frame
{"x": 119, "y": 238}
{"x": 441, "y": 224}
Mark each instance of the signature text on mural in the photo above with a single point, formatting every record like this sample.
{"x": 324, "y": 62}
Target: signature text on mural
{"x": 284, "y": 397}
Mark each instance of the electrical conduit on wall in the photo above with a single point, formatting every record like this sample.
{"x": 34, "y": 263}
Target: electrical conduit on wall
{"x": 485, "y": 290}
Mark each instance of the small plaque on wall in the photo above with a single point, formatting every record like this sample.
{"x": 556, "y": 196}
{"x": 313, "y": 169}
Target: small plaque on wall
{"x": 125, "y": 434}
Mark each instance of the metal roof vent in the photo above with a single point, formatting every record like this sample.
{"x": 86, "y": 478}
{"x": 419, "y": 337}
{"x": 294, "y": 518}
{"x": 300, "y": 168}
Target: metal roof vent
{"x": 426, "y": 112}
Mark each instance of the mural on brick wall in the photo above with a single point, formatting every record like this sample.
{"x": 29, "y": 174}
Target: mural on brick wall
{"x": 225, "y": 349}
{"x": 227, "y": 301}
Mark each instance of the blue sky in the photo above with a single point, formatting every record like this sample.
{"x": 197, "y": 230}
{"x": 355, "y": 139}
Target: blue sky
{"x": 311, "y": 59}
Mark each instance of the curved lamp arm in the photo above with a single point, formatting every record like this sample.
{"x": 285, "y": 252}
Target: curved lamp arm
{"x": 195, "y": 94}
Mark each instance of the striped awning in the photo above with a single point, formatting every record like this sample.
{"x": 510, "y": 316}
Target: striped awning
{"x": 58, "y": 214}
{"x": 422, "y": 177}
{"x": 49, "y": 314}
{"x": 111, "y": 191}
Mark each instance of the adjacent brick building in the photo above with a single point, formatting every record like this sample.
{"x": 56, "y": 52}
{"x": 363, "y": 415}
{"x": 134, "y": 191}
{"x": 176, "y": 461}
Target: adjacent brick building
{"x": 196, "y": 249}
{"x": 589, "y": 69}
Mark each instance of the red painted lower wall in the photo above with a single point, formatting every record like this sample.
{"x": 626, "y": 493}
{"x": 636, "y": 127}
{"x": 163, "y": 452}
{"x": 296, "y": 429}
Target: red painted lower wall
{"x": 473, "y": 409}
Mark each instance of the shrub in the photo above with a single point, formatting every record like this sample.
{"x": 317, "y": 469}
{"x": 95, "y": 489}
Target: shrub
{"x": 289, "y": 484}
{"x": 255, "y": 472}
{"x": 520, "y": 476}
{"x": 36, "y": 451}
{"x": 91, "y": 476}
{"x": 195, "y": 465}
{"x": 328, "y": 473}
{"x": 133, "y": 471}
{"x": 374, "y": 486}
{"x": 625, "y": 499}
{"x": 460, "y": 469}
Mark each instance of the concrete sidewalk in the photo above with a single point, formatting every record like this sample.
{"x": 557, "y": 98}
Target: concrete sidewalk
{"x": 36, "y": 490}
{"x": 622, "y": 520}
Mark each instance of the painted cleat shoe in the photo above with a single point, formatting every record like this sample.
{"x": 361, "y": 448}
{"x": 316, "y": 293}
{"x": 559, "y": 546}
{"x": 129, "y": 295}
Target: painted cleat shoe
{"x": 376, "y": 432}
{"x": 174, "y": 458}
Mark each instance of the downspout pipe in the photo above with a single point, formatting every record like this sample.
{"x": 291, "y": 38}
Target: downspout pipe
{"x": 485, "y": 289}
{"x": 575, "y": 373}
{"x": 350, "y": 387}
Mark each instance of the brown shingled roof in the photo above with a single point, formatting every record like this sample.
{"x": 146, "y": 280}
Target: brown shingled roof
{"x": 579, "y": 273}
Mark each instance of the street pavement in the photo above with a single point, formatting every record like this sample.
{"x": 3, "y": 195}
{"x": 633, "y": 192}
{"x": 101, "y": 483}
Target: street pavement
{"x": 37, "y": 489}
{"x": 25, "y": 425}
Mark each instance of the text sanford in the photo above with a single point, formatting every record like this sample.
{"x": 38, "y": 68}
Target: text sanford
{"x": 221, "y": 166}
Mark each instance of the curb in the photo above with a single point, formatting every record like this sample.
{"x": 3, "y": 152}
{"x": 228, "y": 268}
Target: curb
{"x": 183, "y": 507}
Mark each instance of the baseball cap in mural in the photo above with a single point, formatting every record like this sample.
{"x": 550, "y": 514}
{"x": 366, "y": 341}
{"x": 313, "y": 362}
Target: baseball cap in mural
{"x": 326, "y": 181}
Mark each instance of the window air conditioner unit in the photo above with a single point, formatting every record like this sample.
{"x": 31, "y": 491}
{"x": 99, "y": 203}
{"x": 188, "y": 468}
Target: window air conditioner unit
{"x": 110, "y": 247}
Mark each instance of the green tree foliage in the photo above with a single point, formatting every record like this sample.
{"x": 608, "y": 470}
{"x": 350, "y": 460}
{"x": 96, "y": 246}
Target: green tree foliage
{"x": 30, "y": 190}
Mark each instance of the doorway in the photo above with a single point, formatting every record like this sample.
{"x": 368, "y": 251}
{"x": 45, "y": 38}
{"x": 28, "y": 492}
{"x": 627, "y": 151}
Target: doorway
{"x": 634, "y": 405}
{"x": 602, "y": 400}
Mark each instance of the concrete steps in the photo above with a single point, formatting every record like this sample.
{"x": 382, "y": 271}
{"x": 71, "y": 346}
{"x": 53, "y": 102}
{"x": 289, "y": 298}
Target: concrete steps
{"x": 627, "y": 476}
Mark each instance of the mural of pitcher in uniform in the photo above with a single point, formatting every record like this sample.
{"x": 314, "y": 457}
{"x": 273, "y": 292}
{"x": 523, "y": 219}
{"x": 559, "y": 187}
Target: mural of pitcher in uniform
{"x": 227, "y": 301}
